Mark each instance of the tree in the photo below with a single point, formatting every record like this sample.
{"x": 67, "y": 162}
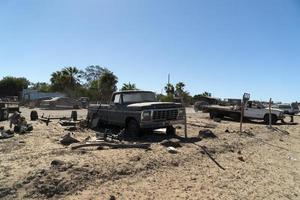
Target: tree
{"x": 169, "y": 88}
{"x": 71, "y": 76}
{"x": 57, "y": 81}
{"x": 128, "y": 86}
{"x": 92, "y": 73}
{"x": 179, "y": 89}
{"x": 12, "y": 86}
{"x": 41, "y": 86}
{"x": 66, "y": 80}
{"x": 107, "y": 85}
{"x": 206, "y": 94}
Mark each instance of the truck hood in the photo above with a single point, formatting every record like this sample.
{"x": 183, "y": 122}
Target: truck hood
{"x": 155, "y": 105}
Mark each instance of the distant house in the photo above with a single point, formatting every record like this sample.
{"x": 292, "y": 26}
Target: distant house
{"x": 31, "y": 95}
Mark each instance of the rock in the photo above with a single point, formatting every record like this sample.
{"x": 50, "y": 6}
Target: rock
{"x": 112, "y": 197}
{"x": 206, "y": 133}
{"x": 172, "y": 150}
{"x": 227, "y": 131}
{"x": 173, "y": 142}
{"x": 57, "y": 163}
{"x": 68, "y": 139}
{"x": 241, "y": 159}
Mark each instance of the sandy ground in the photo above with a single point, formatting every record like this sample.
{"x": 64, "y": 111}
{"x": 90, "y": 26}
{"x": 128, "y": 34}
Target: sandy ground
{"x": 259, "y": 164}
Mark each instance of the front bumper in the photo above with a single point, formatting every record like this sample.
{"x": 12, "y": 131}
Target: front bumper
{"x": 162, "y": 124}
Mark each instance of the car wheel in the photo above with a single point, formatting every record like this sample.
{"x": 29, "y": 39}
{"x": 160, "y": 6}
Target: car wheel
{"x": 133, "y": 129}
{"x": 273, "y": 119}
{"x": 171, "y": 131}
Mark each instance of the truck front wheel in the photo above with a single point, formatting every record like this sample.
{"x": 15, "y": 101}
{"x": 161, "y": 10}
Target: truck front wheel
{"x": 171, "y": 131}
{"x": 133, "y": 129}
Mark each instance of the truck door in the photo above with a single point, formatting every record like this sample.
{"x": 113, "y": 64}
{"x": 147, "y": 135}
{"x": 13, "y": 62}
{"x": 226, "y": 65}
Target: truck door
{"x": 115, "y": 110}
{"x": 253, "y": 111}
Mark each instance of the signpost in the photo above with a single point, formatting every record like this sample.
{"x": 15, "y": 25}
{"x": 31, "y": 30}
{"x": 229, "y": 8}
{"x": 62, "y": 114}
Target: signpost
{"x": 270, "y": 113}
{"x": 246, "y": 98}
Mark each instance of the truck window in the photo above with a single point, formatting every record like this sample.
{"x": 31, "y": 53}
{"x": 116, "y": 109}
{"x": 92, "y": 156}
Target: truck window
{"x": 139, "y": 97}
{"x": 117, "y": 98}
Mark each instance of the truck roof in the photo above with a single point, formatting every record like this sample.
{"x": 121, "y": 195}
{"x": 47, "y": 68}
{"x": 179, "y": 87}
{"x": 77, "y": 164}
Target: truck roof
{"x": 133, "y": 91}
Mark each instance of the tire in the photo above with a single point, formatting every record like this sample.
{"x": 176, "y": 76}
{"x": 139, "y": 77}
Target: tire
{"x": 171, "y": 131}
{"x": 34, "y": 115}
{"x": 273, "y": 119}
{"x": 212, "y": 115}
{"x": 133, "y": 129}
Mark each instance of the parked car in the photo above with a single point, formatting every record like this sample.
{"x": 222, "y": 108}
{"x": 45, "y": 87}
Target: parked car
{"x": 290, "y": 109}
{"x": 84, "y": 102}
{"x": 60, "y": 103}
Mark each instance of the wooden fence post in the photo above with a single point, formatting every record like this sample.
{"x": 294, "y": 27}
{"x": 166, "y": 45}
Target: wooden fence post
{"x": 270, "y": 113}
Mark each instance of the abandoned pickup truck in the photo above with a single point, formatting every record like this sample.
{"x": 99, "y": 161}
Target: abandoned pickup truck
{"x": 137, "y": 111}
{"x": 253, "y": 110}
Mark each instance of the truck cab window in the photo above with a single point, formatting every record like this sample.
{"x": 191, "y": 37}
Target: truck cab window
{"x": 117, "y": 99}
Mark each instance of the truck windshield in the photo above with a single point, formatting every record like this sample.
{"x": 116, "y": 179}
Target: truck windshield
{"x": 138, "y": 97}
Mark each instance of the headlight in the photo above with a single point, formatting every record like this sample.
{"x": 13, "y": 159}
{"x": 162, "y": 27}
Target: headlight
{"x": 146, "y": 115}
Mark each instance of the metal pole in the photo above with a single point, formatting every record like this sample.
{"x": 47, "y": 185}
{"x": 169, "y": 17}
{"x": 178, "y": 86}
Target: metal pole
{"x": 270, "y": 113}
{"x": 242, "y": 116}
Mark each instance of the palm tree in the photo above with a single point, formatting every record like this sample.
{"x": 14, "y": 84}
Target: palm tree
{"x": 169, "y": 89}
{"x": 72, "y": 75}
{"x": 179, "y": 88}
{"x": 56, "y": 77}
{"x": 57, "y": 81}
{"x": 128, "y": 86}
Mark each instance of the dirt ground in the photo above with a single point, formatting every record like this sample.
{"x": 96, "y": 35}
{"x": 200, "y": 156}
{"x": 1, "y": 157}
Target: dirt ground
{"x": 257, "y": 164}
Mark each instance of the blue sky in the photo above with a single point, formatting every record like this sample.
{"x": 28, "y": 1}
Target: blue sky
{"x": 226, "y": 47}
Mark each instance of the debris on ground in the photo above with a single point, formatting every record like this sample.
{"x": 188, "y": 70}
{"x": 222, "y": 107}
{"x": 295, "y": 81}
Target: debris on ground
{"x": 205, "y": 125}
{"x": 172, "y": 150}
{"x": 206, "y": 133}
{"x": 20, "y": 124}
{"x": 68, "y": 123}
{"x": 68, "y": 139}
{"x": 173, "y": 142}
{"x": 5, "y": 134}
{"x": 113, "y": 145}
{"x": 111, "y": 137}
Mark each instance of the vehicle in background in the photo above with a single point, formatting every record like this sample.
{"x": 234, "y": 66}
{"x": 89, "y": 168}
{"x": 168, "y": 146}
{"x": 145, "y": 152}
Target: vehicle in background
{"x": 137, "y": 111}
{"x": 253, "y": 110}
{"x": 7, "y": 107}
{"x": 290, "y": 109}
{"x": 3, "y": 112}
{"x": 60, "y": 103}
{"x": 200, "y": 105}
{"x": 84, "y": 102}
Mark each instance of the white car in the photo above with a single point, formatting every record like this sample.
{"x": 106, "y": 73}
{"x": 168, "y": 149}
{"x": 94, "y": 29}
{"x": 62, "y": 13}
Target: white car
{"x": 290, "y": 109}
{"x": 60, "y": 103}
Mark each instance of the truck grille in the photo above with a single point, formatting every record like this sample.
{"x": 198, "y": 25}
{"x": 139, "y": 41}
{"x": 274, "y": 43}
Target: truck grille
{"x": 159, "y": 115}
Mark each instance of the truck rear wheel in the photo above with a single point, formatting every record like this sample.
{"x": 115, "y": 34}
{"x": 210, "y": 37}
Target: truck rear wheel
{"x": 133, "y": 129}
{"x": 273, "y": 119}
